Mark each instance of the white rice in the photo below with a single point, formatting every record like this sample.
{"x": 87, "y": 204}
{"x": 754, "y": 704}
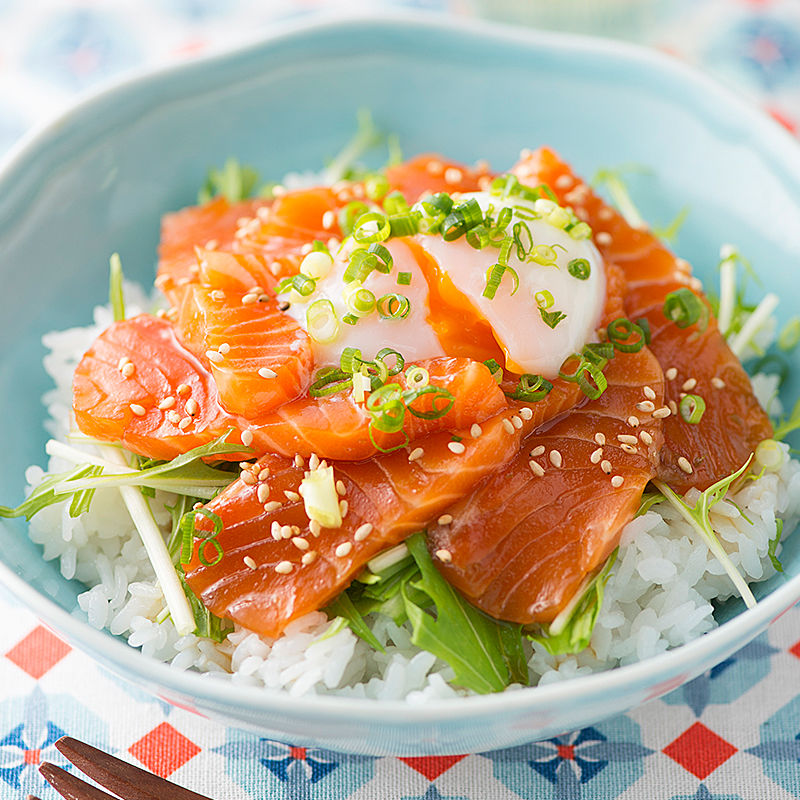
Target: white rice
{"x": 658, "y": 595}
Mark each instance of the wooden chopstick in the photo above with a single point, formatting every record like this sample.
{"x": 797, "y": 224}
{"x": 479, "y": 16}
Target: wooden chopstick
{"x": 69, "y": 786}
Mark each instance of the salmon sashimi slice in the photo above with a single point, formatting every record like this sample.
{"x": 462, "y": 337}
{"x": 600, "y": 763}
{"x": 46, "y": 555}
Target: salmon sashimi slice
{"x": 430, "y": 173}
{"x": 171, "y": 404}
{"x": 236, "y": 272}
{"x": 259, "y": 357}
{"x": 290, "y": 571}
{"x": 694, "y": 455}
{"x": 520, "y": 546}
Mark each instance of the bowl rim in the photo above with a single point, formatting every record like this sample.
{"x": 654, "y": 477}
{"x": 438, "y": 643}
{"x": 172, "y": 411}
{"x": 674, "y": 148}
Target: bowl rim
{"x": 683, "y": 661}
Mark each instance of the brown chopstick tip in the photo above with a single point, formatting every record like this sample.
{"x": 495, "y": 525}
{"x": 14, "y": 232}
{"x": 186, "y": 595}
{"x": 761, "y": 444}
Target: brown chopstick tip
{"x": 70, "y": 786}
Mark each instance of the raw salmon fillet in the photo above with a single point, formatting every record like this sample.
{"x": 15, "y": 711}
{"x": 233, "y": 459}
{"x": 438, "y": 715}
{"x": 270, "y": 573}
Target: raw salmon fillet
{"x": 733, "y": 423}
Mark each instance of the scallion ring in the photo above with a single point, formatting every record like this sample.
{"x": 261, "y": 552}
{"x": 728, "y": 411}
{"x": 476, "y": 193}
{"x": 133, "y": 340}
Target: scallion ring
{"x": 322, "y": 323}
{"x": 349, "y": 214}
{"x": 685, "y": 308}
{"x": 620, "y": 332}
{"x": 361, "y": 302}
{"x": 543, "y": 254}
{"x": 494, "y": 275}
{"x": 544, "y": 298}
{"x": 385, "y": 406}
{"x": 417, "y": 377}
{"x": 594, "y": 389}
{"x": 433, "y": 393}
{"x": 371, "y": 227}
{"x": 523, "y": 239}
{"x": 393, "y": 306}
{"x": 692, "y": 408}
{"x": 399, "y": 361}
{"x": 330, "y": 380}
{"x": 531, "y": 388}
{"x": 579, "y": 268}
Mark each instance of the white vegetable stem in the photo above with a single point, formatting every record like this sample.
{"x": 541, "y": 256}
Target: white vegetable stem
{"x": 763, "y": 311}
{"x": 142, "y": 517}
{"x": 727, "y": 294}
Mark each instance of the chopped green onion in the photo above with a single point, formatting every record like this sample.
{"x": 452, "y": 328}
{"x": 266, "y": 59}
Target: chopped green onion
{"x": 376, "y": 186}
{"x": 493, "y": 277}
{"x": 302, "y": 284}
{"x": 115, "y": 288}
{"x": 544, "y": 298}
{"x": 330, "y": 380}
{"x": 692, "y": 408}
{"x": 505, "y": 251}
{"x": 361, "y": 302}
{"x": 770, "y": 455}
{"x": 440, "y": 203}
{"x": 645, "y": 327}
{"x": 599, "y": 353}
{"x": 463, "y": 217}
{"x": 579, "y": 268}
{"x": 403, "y": 278}
{"x": 349, "y": 214}
{"x": 350, "y": 319}
{"x": 477, "y": 237}
{"x": 399, "y": 361}
{"x": 188, "y": 532}
{"x": 685, "y": 308}
{"x": 599, "y": 385}
{"x": 385, "y": 406}
{"x": 436, "y": 393}
{"x": 384, "y": 257}
{"x": 351, "y": 360}
{"x": 552, "y": 318}
{"x": 317, "y": 264}
{"x": 322, "y": 323}
{"x": 495, "y": 369}
{"x": 789, "y": 337}
{"x": 417, "y": 377}
{"x": 579, "y": 231}
{"x": 531, "y": 388}
{"x": 371, "y": 227}
{"x": 406, "y": 224}
{"x": 543, "y": 254}
{"x": 620, "y": 332}
{"x": 772, "y": 547}
{"x": 523, "y": 239}
{"x": 359, "y": 266}
{"x": 395, "y": 204}
{"x": 393, "y": 306}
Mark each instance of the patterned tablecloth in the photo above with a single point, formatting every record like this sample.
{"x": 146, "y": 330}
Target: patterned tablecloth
{"x": 732, "y": 733}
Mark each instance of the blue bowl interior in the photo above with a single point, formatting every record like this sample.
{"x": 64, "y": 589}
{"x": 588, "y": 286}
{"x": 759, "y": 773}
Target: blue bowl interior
{"x": 99, "y": 181}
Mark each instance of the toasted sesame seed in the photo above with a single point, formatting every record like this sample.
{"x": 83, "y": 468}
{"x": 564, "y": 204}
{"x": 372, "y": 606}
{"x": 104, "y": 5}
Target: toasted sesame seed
{"x": 290, "y": 495}
{"x": 684, "y": 464}
{"x": 596, "y": 456}
{"x": 300, "y": 543}
{"x": 284, "y": 305}
{"x": 137, "y": 409}
{"x": 363, "y": 531}
{"x": 537, "y": 451}
{"x": 299, "y": 461}
{"x": 185, "y": 423}
{"x": 273, "y": 505}
{"x": 275, "y": 530}
{"x": 309, "y": 558}
{"x": 434, "y": 167}
{"x": 605, "y": 214}
{"x": 649, "y": 393}
{"x": 718, "y": 383}
{"x": 247, "y": 437}
{"x": 343, "y": 507}
{"x": 214, "y": 356}
{"x": 343, "y": 549}
{"x": 247, "y": 477}
{"x": 192, "y": 407}
{"x": 266, "y": 372}
{"x": 526, "y": 413}
{"x": 627, "y": 448}
{"x": 445, "y": 519}
{"x": 662, "y": 412}
{"x": 509, "y": 426}
{"x": 475, "y": 431}
{"x": 416, "y": 453}
{"x": 174, "y": 417}
{"x": 646, "y": 406}
{"x": 516, "y": 421}
{"x": 263, "y": 493}
{"x": 275, "y": 267}
{"x": 128, "y": 370}
{"x": 444, "y": 555}
{"x": 284, "y": 567}
{"x": 689, "y": 384}
{"x": 617, "y": 481}
{"x": 555, "y": 458}
{"x": 456, "y": 447}
{"x": 167, "y": 402}
{"x": 263, "y": 473}
{"x": 217, "y": 294}
{"x": 315, "y": 528}
{"x": 627, "y": 438}
{"x": 122, "y": 362}
{"x": 673, "y": 407}
{"x": 671, "y": 374}
{"x": 605, "y": 465}
{"x": 183, "y": 389}
{"x": 328, "y": 218}
{"x": 633, "y": 421}
{"x": 313, "y": 461}
{"x": 563, "y": 182}
{"x": 603, "y": 238}
{"x": 287, "y": 531}
{"x": 600, "y": 438}
{"x": 341, "y": 489}
{"x": 250, "y": 562}
{"x": 224, "y": 348}
{"x": 452, "y": 175}
{"x": 646, "y": 437}
{"x": 536, "y": 468}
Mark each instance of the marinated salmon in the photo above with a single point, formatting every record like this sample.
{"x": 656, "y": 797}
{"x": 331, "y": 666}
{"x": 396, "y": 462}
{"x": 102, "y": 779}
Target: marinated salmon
{"x": 696, "y": 359}
{"x": 430, "y": 173}
{"x": 521, "y": 544}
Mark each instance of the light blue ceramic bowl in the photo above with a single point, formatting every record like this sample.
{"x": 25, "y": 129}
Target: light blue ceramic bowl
{"x": 99, "y": 178}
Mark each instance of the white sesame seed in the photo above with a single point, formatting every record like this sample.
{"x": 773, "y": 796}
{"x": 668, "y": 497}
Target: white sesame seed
{"x": 537, "y": 451}
{"x": 649, "y": 393}
{"x": 328, "y": 218}
{"x": 434, "y": 167}
{"x": 290, "y": 495}
{"x": 605, "y": 465}
{"x": 191, "y": 407}
{"x": 475, "y": 431}
{"x": 313, "y": 462}
{"x": 224, "y": 348}
{"x": 217, "y": 294}
{"x": 717, "y": 383}
{"x": 287, "y": 531}
{"x": 343, "y": 549}
{"x": 689, "y": 384}
{"x": 646, "y": 437}
{"x": 456, "y": 447}
{"x": 627, "y": 438}
{"x": 275, "y": 530}
{"x": 300, "y": 543}
{"x": 214, "y": 356}
{"x": 600, "y": 438}
{"x": 167, "y": 402}
{"x": 444, "y": 555}
{"x": 452, "y": 175}
{"x": 363, "y": 531}
{"x": 247, "y": 437}
{"x": 605, "y": 214}
{"x": 555, "y": 458}
{"x": 266, "y": 372}
{"x": 273, "y": 505}
{"x": 662, "y": 412}
{"x": 517, "y": 421}
{"x": 633, "y": 421}
{"x": 183, "y": 389}
{"x": 315, "y": 528}
{"x": 596, "y": 456}
{"x": 250, "y": 562}
{"x": 416, "y": 453}
{"x": 526, "y": 413}
{"x": 508, "y": 425}
{"x": 563, "y": 182}
{"x": 299, "y": 461}
{"x": 628, "y": 448}
{"x": 275, "y": 267}
{"x": 174, "y": 417}
{"x": 185, "y": 423}
{"x": 536, "y": 468}
{"x": 603, "y": 238}
{"x": 343, "y": 507}
{"x": 671, "y": 374}
{"x": 263, "y": 493}
{"x": 263, "y": 473}
{"x": 445, "y": 519}
{"x": 137, "y": 409}
{"x": 684, "y": 464}
{"x": 284, "y": 567}
{"x": 617, "y": 481}
{"x": 247, "y": 477}
{"x": 673, "y": 407}
{"x": 122, "y": 362}
{"x": 128, "y": 370}
{"x": 646, "y": 406}
{"x": 309, "y": 558}
{"x": 341, "y": 489}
